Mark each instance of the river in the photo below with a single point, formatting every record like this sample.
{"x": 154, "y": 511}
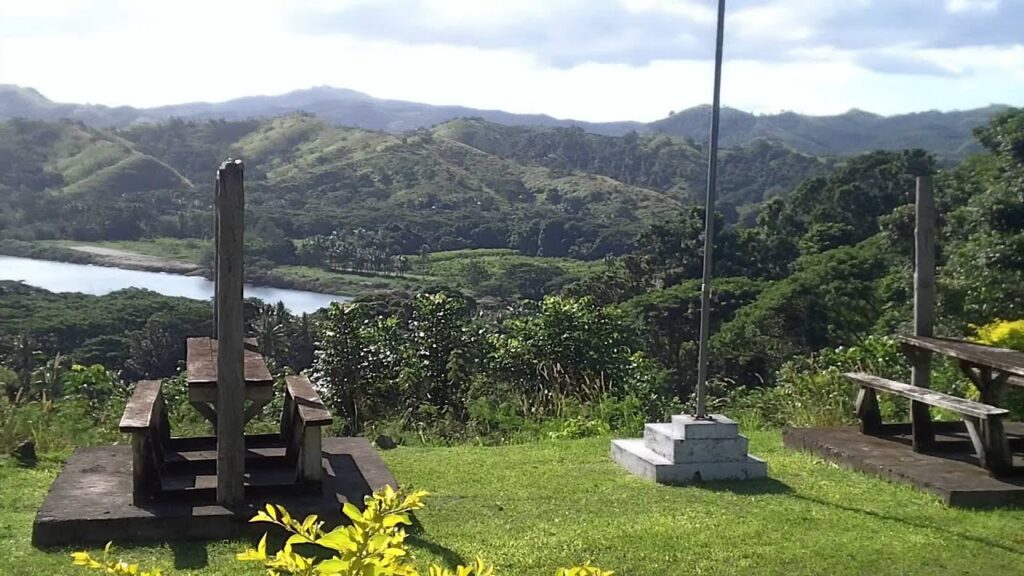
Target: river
{"x": 98, "y": 280}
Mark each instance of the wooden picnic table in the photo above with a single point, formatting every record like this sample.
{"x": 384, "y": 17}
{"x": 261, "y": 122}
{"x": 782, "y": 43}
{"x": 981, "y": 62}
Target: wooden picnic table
{"x": 201, "y": 369}
{"x": 991, "y": 369}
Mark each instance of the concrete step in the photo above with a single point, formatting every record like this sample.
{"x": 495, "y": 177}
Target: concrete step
{"x": 664, "y": 440}
{"x": 715, "y": 426}
{"x": 634, "y": 456}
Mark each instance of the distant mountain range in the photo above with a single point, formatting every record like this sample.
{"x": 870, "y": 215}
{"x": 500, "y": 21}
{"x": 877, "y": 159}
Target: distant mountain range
{"x": 946, "y": 134}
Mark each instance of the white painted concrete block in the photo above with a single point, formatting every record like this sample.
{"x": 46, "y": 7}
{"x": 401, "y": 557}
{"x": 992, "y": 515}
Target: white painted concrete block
{"x": 632, "y": 455}
{"x": 662, "y": 439}
{"x": 716, "y": 426}
{"x": 688, "y": 450}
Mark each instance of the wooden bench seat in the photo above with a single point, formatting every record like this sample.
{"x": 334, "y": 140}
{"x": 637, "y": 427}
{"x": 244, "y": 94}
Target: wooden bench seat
{"x": 984, "y": 423}
{"x": 304, "y": 414}
{"x": 145, "y": 418}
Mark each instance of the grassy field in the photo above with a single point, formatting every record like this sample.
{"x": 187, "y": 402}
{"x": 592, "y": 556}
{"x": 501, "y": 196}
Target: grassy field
{"x": 345, "y": 283}
{"x": 449, "y": 264}
{"x": 530, "y": 508}
{"x": 185, "y": 249}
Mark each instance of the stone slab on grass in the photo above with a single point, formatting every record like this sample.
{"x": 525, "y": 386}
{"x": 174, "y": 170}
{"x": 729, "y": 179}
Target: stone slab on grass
{"x": 640, "y": 460}
{"x": 91, "y": 500}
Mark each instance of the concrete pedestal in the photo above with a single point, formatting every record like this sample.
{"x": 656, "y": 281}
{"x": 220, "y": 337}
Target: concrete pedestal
{"x": 688, "y": 451}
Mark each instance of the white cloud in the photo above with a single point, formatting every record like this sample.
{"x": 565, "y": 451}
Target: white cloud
{"x": 144, "y": 54}
{"x": 956, "y": 6}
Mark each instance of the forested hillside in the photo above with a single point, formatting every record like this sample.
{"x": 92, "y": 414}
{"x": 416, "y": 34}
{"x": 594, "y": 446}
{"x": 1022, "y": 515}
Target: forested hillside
{"x": 465, "y": 184}
{"x": 945, "y": 134}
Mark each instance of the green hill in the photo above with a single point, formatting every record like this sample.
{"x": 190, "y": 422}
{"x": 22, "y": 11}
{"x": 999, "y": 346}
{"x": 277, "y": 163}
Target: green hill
{"x": 464, "y": 184}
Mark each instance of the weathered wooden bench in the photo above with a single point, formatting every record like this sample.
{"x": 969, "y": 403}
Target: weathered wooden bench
{"x": 984, "y": 423}
{"x": 181, "y": 468}
{"x": 145, "y": 418}
{"x": 303, "y": 416}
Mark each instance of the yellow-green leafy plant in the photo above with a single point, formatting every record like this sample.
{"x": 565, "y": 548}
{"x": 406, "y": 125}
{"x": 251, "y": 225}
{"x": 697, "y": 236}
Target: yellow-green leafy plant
{"x": 1003, "y": 333}
{"x": 372, "y": 545}
{"x": 108, "y": 565}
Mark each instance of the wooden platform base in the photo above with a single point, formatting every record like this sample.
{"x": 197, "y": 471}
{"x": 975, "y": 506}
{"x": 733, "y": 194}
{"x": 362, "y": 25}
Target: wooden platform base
{"x": 950, "y": 470}
{"x": 91, "y": 500}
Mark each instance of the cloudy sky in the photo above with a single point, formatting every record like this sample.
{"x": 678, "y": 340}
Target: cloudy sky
{"x": 587, "y": 59}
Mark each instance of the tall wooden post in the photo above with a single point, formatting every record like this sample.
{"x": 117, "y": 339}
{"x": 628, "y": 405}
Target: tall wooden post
{"x": 924, "y": 307}
{"x": 216, "y": 252}
{"x": 230, "y": 215}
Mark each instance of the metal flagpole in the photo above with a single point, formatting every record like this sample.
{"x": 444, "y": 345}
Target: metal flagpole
{"x": 709, "y": 224}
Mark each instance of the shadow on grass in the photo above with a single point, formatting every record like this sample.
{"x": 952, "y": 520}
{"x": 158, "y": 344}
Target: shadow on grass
{"x": 450, "y": 557}
{"x": 914, "y": 524}
{"x": 189, "y": 555}
{"x": 747, "y": 487}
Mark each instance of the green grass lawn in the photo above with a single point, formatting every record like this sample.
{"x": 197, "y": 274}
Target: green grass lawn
{"x": 530, "y": 508}
{"x": 449, "y": 264}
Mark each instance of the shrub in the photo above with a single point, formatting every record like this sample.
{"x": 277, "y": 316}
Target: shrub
{"x": 1006, "y": 334}
{"x": 1003, "y": 333}
{"x": 811, "y": 391}
{"x": 373, "y": 544}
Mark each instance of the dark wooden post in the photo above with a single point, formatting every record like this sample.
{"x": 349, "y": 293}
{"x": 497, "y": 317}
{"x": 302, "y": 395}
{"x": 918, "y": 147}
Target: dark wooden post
{"x": 924, "y": 308}
{"x": 216, "y": 252}
{"x": 230, "y": 214}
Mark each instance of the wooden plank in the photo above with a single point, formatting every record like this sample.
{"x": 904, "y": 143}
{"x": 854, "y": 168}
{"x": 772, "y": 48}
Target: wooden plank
{"x": 287, "y": 416}
{"x": 140, "y": 410}
{"x": 142, "y": 471}
{"x": 230, "y": 353}
{"x": 998, "y": 458}
{"x": 254, "y": 408}
{"x": 309, "y": 407}
{"x": 193, "y": 443}
{"x": 206, "y": 410}
{"x": 1009, "y": 361}
{"x": 259, "y": 392}
{"x": 162, "y": 420}
{"x": 201, "y": 364}
{"x": 312, "y": 456}
{"x": 868, "y": 411}
{"x": 974, "y": 431}
{"x": 929, "y": 397}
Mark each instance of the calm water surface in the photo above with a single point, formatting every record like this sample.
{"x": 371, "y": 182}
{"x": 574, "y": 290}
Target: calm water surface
{"x": 98, "y": 280}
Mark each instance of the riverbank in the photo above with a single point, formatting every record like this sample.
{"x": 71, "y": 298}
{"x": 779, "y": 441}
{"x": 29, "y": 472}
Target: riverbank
{"x": 494, "y": 273}
{"x": 149, "y": 256}
{"x": 97, "y": 255}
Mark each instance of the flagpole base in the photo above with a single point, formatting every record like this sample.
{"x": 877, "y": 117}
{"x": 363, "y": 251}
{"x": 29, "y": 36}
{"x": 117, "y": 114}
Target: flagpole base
{"x": 690, "y": 450}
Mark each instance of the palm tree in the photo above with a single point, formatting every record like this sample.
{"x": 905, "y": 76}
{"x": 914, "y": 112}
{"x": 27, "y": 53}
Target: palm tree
{"x": 269, "y": 330}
